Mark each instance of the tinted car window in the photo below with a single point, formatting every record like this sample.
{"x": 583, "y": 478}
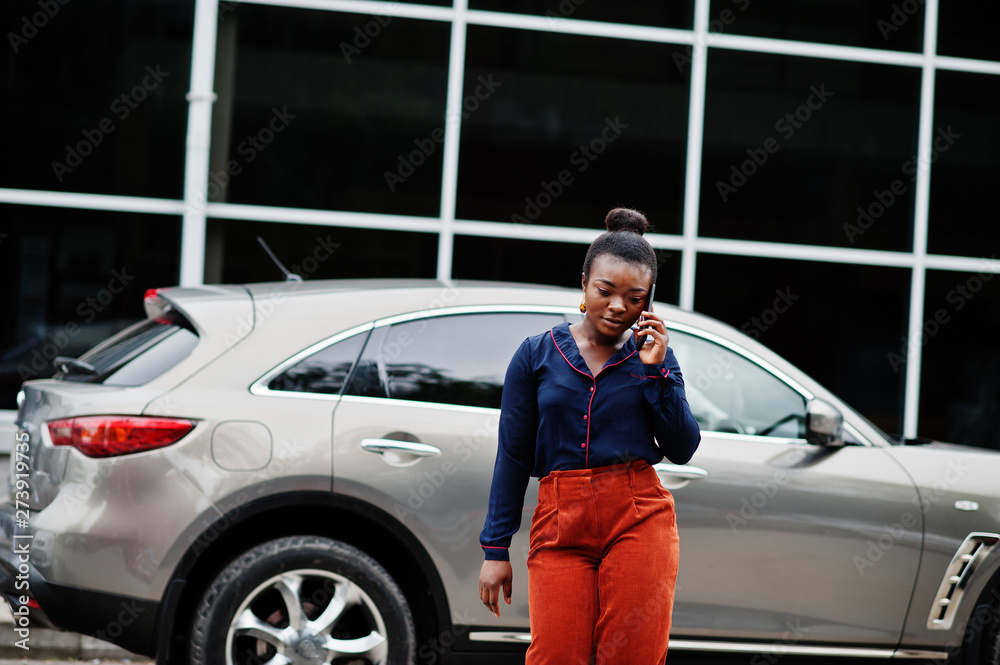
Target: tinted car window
{"x": 458, "y": 359}
{"x": 138, "y": 354}
{"x": 728, "y": 393}
{"x": 325, "y": 371}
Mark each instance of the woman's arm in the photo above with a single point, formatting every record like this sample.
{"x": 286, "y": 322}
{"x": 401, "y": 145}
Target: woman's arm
{"x": 674, "y": 426}
{"x": 515, "y": 459}
{"x": 515, "y": 455}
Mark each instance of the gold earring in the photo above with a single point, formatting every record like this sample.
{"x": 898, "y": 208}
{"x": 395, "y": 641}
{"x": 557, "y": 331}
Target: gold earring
{"x": 583, "y": 308}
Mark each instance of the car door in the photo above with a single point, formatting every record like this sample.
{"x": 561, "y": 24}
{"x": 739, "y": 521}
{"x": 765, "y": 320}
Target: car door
{"x": 415, "y": 434}
{"x": 782, "y": 540}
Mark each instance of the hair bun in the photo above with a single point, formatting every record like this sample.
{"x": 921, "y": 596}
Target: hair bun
{"x": 626, "y": 219}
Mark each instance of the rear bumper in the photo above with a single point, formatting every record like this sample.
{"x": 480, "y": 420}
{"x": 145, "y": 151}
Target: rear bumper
{"x": 37, "y": 602}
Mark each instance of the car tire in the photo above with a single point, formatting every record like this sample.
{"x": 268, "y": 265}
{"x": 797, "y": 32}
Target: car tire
{"x": 990, "y": 646}
{"x": 311, "y": 598}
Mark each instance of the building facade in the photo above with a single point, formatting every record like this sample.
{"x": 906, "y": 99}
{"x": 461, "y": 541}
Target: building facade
{"x": 819, "y": 175}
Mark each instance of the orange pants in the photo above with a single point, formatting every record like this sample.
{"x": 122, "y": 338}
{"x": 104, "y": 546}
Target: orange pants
{"x": 601, "y": 567}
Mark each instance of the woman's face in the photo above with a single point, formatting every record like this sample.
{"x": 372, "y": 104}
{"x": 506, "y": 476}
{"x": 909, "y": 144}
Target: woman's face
{"x": 615, "y": 294}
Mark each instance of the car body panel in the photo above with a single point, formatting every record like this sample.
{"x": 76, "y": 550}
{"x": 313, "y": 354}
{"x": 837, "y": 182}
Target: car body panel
{"x": 948, "y": 474}
{"x": 798, "y": 516}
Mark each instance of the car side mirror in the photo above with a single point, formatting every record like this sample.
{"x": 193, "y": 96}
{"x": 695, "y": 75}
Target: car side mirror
{"x": 824, "y": 424}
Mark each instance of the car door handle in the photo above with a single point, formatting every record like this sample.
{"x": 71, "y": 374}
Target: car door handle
{"x": 681, "y": 471}
{"x": 680, "y": 475}
{"x": 399, "y": 453}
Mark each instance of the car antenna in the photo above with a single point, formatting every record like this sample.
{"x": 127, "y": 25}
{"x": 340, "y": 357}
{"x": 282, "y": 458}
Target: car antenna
{"x": 289, "y": 276}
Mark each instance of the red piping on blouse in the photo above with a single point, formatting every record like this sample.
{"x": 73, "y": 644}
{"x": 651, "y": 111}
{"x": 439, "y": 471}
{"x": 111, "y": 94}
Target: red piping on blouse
{"x": 586, "y": 456}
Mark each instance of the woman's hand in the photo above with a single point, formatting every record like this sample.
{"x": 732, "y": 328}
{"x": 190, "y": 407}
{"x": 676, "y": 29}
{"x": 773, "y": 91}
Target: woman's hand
{"x": 495, "y": 574}
{"x": 654, "y": 352}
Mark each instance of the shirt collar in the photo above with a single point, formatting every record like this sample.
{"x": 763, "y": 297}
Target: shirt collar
{"x": 566, "y": 344}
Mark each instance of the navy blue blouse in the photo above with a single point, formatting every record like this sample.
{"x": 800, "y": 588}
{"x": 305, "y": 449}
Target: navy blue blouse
{"x": 554, "y": 415}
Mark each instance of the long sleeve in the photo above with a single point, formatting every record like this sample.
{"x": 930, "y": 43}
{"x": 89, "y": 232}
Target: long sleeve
{"x": 515, "y": 455}
{"x": 677, "y": 432}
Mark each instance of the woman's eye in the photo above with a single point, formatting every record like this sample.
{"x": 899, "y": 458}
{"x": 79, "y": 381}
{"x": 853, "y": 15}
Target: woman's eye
{"x": 602, "y": 292}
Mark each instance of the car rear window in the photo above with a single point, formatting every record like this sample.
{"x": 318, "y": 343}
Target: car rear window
{"x": 138, "y": 354}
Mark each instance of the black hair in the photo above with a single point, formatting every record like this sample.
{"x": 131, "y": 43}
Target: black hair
{"x": 624, "y": 241}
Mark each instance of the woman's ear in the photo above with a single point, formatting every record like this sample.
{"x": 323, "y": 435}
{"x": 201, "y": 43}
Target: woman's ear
{"x": 583, "y": 280}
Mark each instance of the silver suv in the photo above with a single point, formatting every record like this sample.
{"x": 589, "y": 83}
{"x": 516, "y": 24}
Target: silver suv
{"x": 298, "y": 473}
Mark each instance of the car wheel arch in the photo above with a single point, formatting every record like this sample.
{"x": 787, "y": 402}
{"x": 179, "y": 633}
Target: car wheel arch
{"x": 344, "y": 518}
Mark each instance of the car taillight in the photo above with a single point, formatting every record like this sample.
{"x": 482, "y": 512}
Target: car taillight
{"x": 106, "y": 436}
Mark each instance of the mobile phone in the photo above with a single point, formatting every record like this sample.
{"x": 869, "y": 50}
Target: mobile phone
{"x": 648, "y": 308}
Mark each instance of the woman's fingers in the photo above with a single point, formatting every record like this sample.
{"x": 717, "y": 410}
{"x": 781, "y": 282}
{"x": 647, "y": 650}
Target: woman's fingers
{"x": 494, "y": 576}
{"x": 494, "y": 603}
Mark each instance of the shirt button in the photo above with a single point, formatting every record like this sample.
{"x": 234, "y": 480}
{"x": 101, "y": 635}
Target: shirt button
{"x": 583, "y": 445}
{"x": 592, "y": 389}
{"x": 585, "y": 417}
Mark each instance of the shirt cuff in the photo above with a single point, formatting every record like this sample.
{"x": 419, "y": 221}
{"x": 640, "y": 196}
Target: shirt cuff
{"x": 657, "y": 371}
{"x": 496, "y": 553}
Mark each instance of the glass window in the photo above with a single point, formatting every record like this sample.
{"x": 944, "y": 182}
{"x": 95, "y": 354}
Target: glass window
{"x": 641, "y": 12}
{"x": 728, "y": 393}
{"x": 328, "y": 110}
{"x": 836, "y": 322}
{"x": 804, "y": 150}
{"x": 558, "y": 263}
{"x": 73, "y": 278}
{"x": 96, "y": 92}
{"x": 959, "y": 388}
{"x": 233, "y": 255}
{"x": 136, "y": 355}
{"x": 890, "y": 24}
{"x": 558, "y": 129}
{"x": 325, "y": 371}
{"x": 967, "y": 29}
{"x": 449, "y": 359}
{"x": 963, "y": 158}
